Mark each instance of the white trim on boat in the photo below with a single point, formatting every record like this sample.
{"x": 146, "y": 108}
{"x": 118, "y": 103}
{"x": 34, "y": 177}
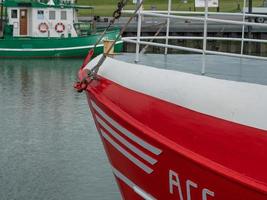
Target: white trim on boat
{"x": 127, "y": 133}
{"x": 133, "y": 159}
{"x": 134, "y": 149}
{"x": 240, "y": 102}
{"x": 136, "y": 188}
{"x": 54, "y": 49}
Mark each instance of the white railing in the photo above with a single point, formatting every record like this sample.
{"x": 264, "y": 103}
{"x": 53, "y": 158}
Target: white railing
{"x": 169, "y": 14}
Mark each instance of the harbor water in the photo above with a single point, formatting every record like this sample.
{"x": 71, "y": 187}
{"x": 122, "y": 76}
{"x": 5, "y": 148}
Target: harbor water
{"x": 49, "y": 147}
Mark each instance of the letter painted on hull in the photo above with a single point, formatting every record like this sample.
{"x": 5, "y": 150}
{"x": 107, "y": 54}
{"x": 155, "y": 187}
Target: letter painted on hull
{"x": 175, "y": 185}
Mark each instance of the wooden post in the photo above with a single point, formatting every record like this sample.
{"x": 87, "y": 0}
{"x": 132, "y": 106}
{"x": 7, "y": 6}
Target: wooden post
{"x": 107, "y": 45}
{"x": 250, "y": 12}
{"x": 249, "y": 27}
{"x": 1, "y": 17}
{"x": 218, "y": 8}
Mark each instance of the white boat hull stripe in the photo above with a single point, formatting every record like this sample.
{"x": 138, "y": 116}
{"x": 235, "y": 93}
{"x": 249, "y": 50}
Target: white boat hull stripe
{"x": 126, "y": 153}
{"x": 127, "y": 133}
{"x": 136, "y": 188}
{"x": 228, "y": 100}
{"x": 137, "y": 151}
{"x": 54, "y": 49}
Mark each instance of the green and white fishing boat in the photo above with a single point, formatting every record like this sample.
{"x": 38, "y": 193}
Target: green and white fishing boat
{"x": 48, "y": 28}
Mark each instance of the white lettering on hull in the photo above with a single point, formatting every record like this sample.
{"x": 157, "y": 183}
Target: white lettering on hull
{"x": 174, "y": 182}
{"x": 206, "y": 192}
{"x": 190, "y": 184}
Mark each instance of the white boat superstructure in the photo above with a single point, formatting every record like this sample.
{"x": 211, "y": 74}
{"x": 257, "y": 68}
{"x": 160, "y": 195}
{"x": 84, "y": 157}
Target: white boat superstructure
{"x": 43, "y": 18}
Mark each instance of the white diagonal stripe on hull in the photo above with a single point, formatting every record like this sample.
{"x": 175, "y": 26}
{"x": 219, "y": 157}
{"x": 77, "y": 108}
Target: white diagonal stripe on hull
{"x": 131, "y": 184}
{"x": 127, "y": 133}
{"x": 126, "y": 153}
{"x": 137, "y": 151}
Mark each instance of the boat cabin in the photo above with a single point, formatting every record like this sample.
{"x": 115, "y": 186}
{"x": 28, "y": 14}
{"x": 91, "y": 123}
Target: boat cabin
{"x": 41, "y": 18}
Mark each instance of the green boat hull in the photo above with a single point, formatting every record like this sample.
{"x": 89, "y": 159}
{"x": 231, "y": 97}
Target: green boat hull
{"x": 55, "y": 47}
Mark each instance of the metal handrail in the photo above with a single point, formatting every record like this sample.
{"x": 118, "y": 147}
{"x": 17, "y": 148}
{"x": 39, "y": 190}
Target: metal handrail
{"x": 196, "y": 13}
{"x": 196, "y": 38}
{"x": 181, "y": 15}
{"x": 227, "y": 21}
{"x": 194, "y": 49}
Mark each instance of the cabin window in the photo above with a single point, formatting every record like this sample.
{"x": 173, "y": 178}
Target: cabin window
{"x": 40, "y": 14}
{"x": 14, "y": 14}
{"x": 52, "y": 15}
{"x": 63, "y": 15}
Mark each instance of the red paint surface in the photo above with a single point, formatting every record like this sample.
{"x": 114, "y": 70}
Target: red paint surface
{"x": 228, "y": 158}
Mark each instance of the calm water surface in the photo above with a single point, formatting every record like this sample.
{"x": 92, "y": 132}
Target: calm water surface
{"x": 49, "y": 148}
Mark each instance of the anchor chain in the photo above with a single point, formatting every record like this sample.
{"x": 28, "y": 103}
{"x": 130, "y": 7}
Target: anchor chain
{"x": 116, "y": 15}
{"x": 91, "y": 75}
{"x": 121, "y": 4}
{"x": 95, "y": 69}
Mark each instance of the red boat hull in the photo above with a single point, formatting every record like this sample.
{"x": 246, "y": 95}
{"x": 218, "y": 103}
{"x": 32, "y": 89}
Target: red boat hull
{"x": 159, "y": 150}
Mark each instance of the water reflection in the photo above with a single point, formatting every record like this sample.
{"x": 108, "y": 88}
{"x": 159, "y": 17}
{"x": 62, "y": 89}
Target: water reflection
{"x": 49, "y": 146}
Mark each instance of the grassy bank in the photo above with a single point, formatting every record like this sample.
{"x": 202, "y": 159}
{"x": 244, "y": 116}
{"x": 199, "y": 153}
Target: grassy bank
{"x": 106, "y": 7}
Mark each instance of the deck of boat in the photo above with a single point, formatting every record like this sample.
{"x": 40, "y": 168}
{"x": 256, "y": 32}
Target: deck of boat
{"x": 222, "y": 67}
